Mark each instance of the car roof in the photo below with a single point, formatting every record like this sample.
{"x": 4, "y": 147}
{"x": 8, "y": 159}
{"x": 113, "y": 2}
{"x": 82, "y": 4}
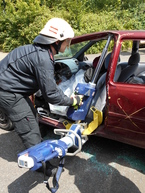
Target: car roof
{"x": 126, "y": 34}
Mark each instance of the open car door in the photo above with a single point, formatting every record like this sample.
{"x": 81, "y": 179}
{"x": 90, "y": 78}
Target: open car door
{"x": 126, "y": 105}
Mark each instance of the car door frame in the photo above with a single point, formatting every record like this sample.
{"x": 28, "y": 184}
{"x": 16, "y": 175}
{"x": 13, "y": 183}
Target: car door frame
{"x": 125, "y": 107}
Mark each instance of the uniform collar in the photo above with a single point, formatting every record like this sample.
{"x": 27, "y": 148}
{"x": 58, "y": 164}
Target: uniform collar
{"x": 51, "y": 54}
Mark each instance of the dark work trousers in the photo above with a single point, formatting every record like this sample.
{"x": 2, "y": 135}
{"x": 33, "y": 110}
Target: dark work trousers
{"x": 23, "y": 115}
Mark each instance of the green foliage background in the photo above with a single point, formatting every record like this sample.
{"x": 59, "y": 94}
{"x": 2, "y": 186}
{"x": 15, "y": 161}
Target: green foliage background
{"x": 21, "y": 20}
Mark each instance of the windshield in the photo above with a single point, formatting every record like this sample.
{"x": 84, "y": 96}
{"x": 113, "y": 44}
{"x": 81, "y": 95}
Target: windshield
{"x": 69, "y": 53}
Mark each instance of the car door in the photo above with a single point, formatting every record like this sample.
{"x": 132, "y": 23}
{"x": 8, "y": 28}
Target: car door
{"x": 125, "y": 115}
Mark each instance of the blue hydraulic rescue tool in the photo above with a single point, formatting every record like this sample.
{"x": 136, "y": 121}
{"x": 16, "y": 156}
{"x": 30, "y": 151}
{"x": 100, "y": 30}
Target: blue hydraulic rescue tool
{"x": 87, "y": 90}
{"x": 36, "y": 156}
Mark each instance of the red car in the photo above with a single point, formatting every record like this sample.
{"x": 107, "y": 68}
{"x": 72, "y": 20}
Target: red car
{"x": 120, "y": 84}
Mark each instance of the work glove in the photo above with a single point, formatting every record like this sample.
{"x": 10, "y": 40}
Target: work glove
{"x": 77, "y": 100}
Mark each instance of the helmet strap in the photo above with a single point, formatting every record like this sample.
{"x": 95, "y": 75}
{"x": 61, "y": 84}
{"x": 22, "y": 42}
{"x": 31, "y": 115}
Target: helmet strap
{"x": 57, "y": 46}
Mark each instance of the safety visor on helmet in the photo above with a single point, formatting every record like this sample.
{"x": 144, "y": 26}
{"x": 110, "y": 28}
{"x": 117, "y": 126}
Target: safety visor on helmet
{"x": 45, "y": 40}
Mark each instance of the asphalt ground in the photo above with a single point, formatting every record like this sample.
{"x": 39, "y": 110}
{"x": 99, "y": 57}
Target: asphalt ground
{"x": 103, "y": 166}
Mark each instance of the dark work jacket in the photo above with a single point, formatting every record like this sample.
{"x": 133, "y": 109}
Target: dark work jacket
{"x": 29, "y": 68}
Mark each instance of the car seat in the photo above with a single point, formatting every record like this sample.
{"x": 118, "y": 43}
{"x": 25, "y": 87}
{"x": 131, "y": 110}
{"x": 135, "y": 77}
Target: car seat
{"x": 99, "y": 100}
{"x": 100, "y": 96}
{"x": 105, "y": 64}
{"x": 131, "y": 68}
{"x": 90, "y": 71}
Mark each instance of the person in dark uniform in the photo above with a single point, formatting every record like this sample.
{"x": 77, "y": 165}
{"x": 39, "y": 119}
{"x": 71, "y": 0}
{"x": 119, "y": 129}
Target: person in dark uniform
{"x": 27, "y": 69}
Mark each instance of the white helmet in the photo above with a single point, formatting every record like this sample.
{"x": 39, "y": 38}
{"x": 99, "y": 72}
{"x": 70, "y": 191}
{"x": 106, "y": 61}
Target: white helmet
{"x": 54, "y": 30}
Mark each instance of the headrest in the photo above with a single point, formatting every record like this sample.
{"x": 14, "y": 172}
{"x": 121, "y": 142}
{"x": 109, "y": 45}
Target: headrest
{"x": 106, "y": 62}
{"x": 134, "y": 59}
{"x": 95, "y": 61}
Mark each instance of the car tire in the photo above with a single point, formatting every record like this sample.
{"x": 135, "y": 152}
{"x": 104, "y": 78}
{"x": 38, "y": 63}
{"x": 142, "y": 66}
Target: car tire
{"x": 5, "y": 122}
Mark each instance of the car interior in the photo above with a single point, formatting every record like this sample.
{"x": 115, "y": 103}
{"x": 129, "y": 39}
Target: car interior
{"x": 134, "y": 71}
{"x": 130, "y": 71}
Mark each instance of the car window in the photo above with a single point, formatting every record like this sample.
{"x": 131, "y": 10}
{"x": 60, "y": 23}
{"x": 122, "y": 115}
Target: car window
{"x": 95, "y": 50}
{"x": 71, "y": 51}
{"x": 132, "y": 63}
